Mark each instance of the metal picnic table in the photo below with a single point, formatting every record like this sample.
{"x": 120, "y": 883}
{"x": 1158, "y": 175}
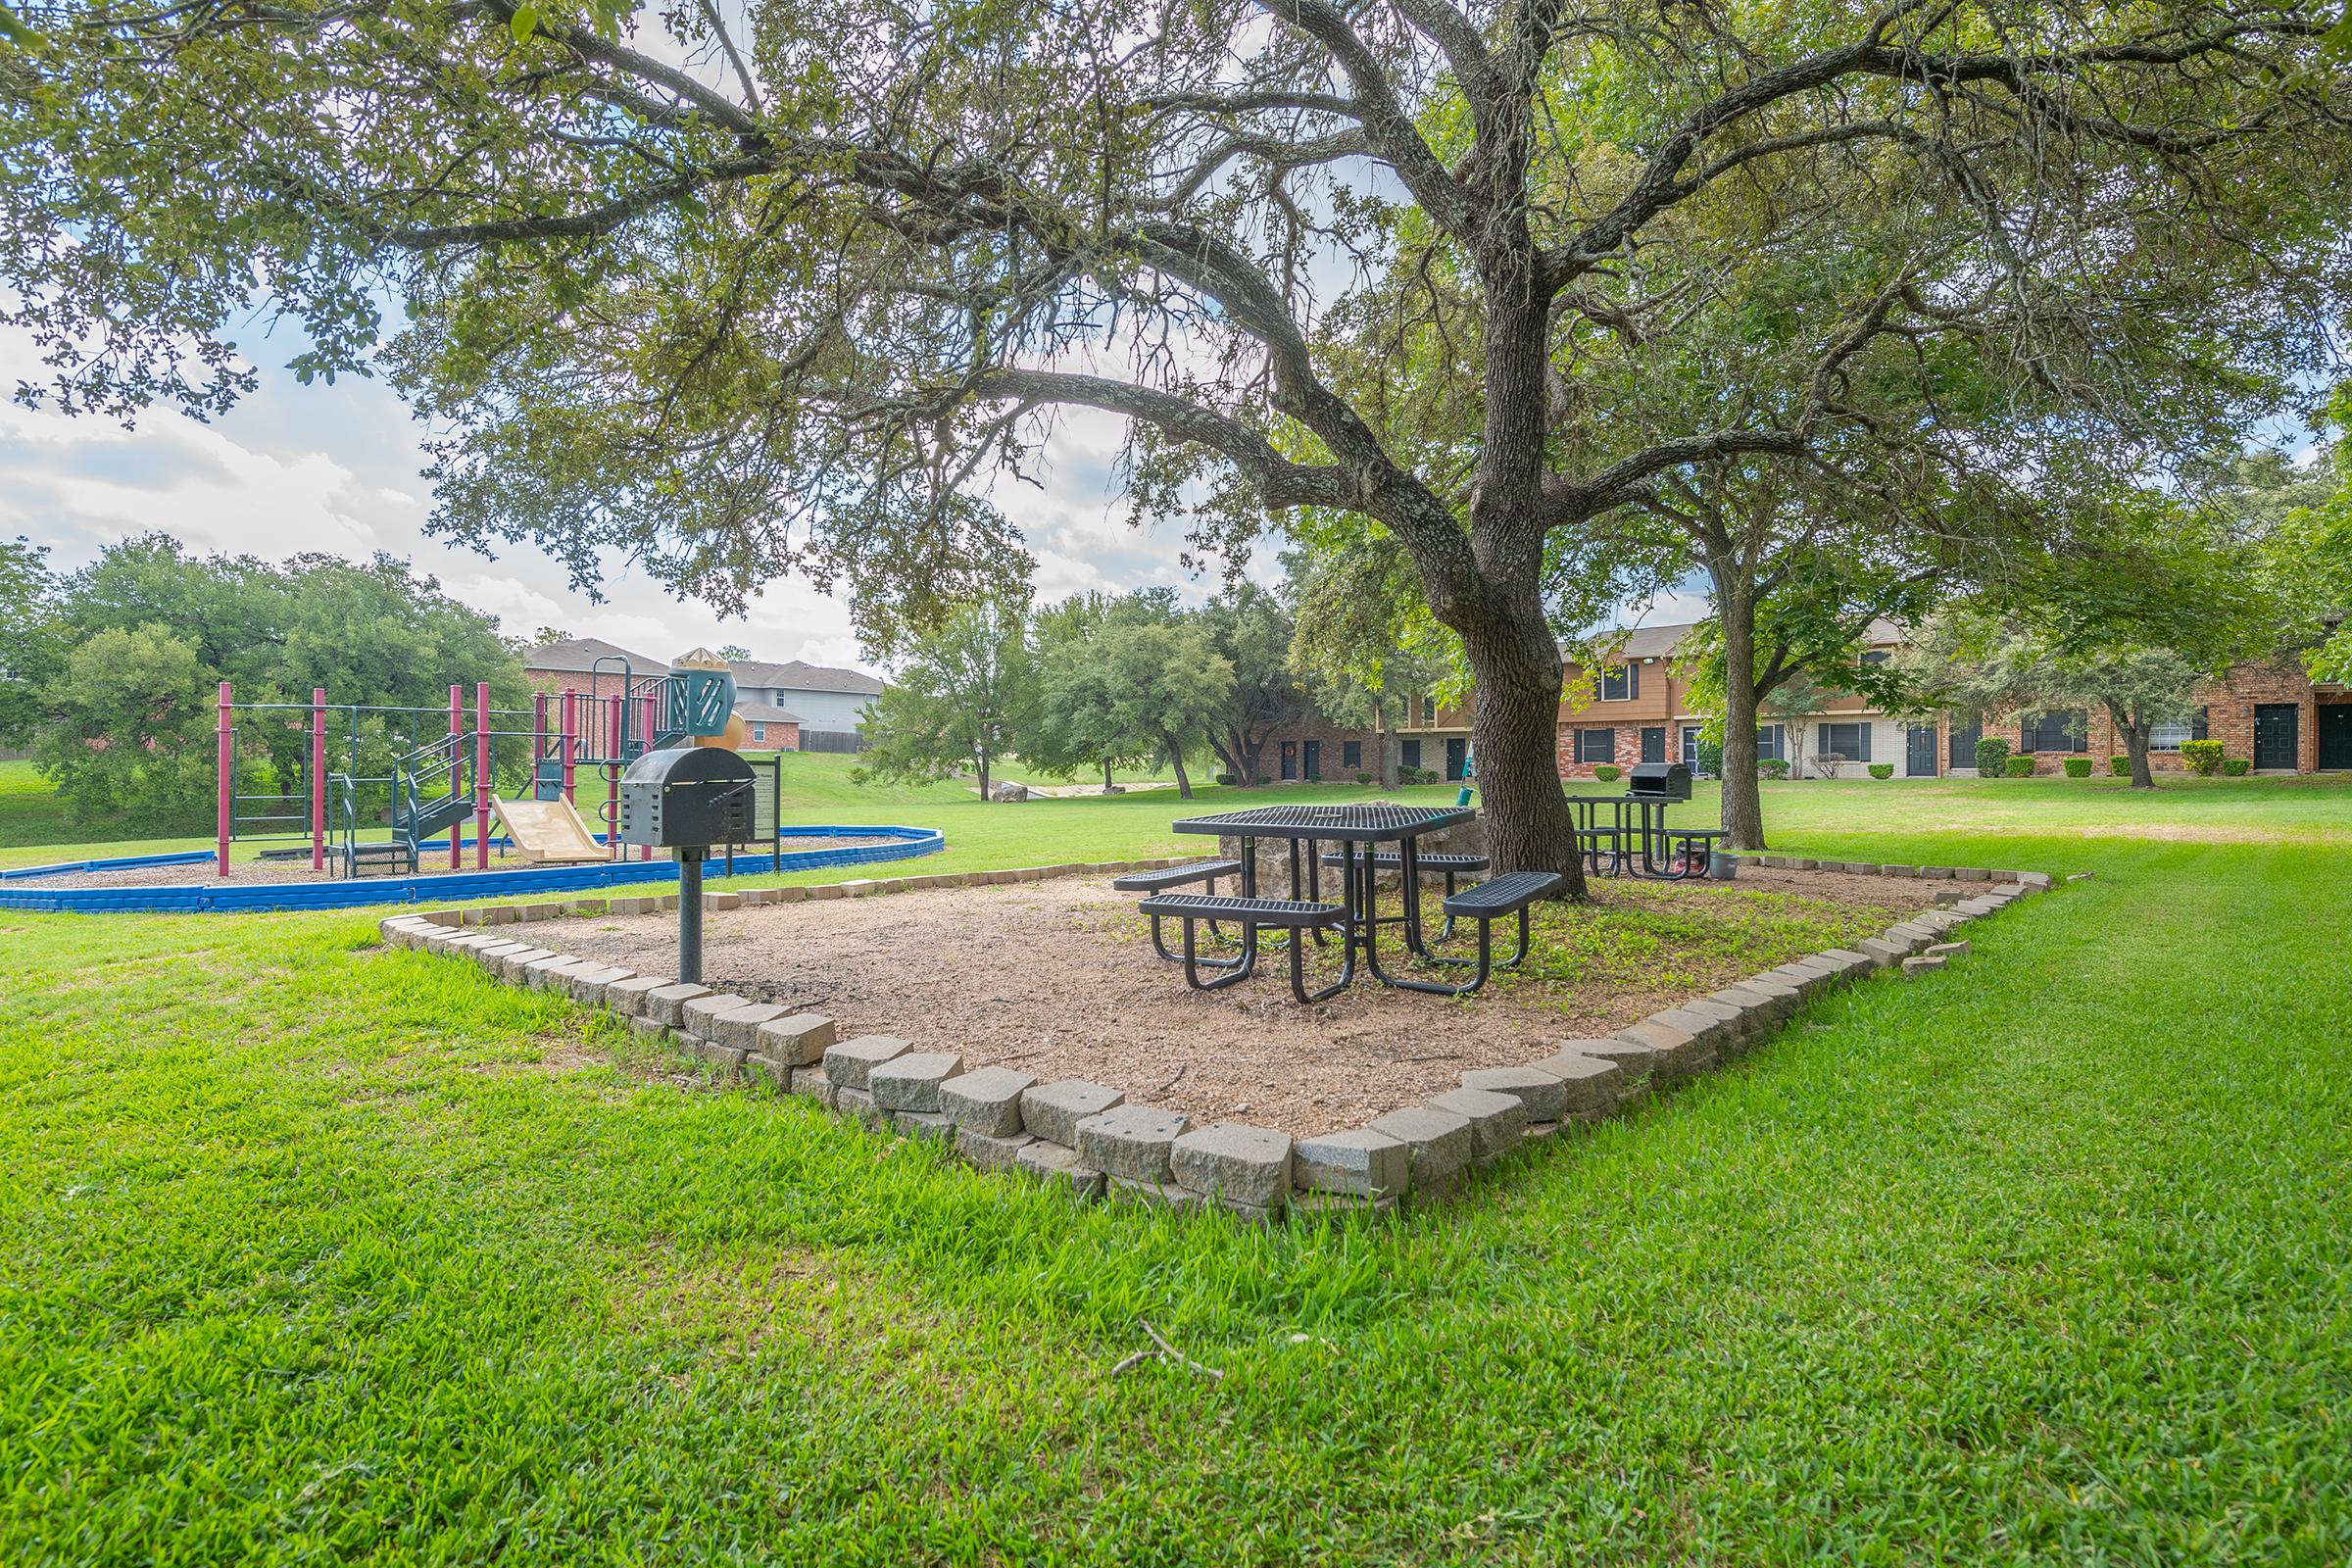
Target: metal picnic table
{"x": 1358, "y": 831}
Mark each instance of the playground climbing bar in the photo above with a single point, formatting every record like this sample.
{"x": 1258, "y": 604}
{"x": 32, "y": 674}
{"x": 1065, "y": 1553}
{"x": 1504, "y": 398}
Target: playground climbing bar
{"x": 318, "y": 778}
{"x": 481, "y": 776}
{"x": 228, "y": 768}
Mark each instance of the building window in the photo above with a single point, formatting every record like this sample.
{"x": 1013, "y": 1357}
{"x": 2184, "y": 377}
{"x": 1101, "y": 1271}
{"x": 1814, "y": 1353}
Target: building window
{"x": 1772, "y": 740}
{"x": 2168, "y": 737}
{"x": 1409, "y": 752}
{"x": 1597, "y": 746}
{"x": 1847, "y": 742}
{"x": 1351, "y": 754}
{"x": 758, "y": 732}
{"x": 2061, "y": 729}
{"x": 1620, "y": 684}
{"x": 1876, "y": 656}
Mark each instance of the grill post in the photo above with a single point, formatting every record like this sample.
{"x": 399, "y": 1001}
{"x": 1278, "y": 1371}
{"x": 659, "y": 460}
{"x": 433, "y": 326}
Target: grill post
{"x": 690, "y": 915}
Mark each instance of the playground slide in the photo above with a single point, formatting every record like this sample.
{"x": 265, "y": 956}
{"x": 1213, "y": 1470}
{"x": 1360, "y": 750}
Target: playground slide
{"x": 549, "y": 832}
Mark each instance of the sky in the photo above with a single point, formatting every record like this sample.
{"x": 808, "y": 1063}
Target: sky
{"x": 338, "y": 469}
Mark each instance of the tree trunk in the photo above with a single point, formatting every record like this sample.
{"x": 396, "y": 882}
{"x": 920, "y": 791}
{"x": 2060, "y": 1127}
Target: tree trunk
{"x": 2135, "y": 734}
{"x": 1383, "y": 741}
{"x": 984, "y": 794}
{"x": 1743, "y": 795}
{"x": 1514, "y": 727}
{"x": 1184, "y": 782}
{"x": 1106, "y": 775}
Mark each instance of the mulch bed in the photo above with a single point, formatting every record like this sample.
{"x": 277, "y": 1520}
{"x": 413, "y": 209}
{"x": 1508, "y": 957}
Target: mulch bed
{"x": 1059, "y": 979}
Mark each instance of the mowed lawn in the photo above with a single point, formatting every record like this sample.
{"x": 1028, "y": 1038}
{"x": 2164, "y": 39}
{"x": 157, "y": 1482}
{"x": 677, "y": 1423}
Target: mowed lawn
{"x": 317, "y": 1252}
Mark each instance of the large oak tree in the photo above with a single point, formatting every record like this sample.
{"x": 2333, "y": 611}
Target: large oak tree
{"x": 796, "y": 302}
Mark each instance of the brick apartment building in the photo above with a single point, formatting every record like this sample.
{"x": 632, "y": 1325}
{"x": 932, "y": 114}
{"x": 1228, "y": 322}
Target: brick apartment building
{"x": 2265, "y": 710}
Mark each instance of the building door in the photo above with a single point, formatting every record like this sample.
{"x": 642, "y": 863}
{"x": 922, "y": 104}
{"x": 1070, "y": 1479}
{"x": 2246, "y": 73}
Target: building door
{"x": 1289, "y": 760}
{"x": 1918, "y": 751}
{"x": 2335, "y": 735}
{"x": 1653, "y": 744}
{"x": 1691, "y": 747}
{"x": 1962, "y": 751}
{"x": 1457, "y": 750}
{"x": 1314, "y": 759}
{"x": 2274, "y": 735}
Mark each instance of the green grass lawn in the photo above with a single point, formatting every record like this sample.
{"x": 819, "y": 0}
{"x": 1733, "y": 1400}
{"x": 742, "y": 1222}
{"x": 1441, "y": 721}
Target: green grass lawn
{"x": 320, "y": 1253}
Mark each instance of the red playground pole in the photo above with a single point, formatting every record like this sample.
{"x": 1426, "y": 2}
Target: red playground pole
{"x": 481, "y": 776}
{"x": 457, "y": 727}
{"x": 571, "y": 717}
{"x": 228, "y": 781}
{"x": 318, "y": 778}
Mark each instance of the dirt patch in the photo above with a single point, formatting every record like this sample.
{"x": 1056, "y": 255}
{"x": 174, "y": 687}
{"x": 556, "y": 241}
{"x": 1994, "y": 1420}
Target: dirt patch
{"x": 1059, "y": 979}
{"x": 202, "y": 873}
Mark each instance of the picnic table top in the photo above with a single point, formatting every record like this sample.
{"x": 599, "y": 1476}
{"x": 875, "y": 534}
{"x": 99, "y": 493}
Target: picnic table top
{"x": 1355, "y": 823}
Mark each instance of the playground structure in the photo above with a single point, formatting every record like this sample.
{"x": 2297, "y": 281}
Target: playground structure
{"x": 432, "y": 783}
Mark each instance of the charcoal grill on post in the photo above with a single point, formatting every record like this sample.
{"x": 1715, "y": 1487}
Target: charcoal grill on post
{"x": 685, "y": 800}
{"x": 1659, "y": 781}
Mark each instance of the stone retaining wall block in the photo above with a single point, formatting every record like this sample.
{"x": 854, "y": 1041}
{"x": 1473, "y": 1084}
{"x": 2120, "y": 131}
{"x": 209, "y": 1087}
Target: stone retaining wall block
{"x": 1053, "y": 1111}
{"x": 1360, "y": 1163}
{"x": 1497, "y": 1121}
{"x": 911, "y": 1082}
{"x": 740, "y": 1026}
{"x": 798, "y": 1038}
{"x": 1540, "y": 1095}
{"x": 986, "y": 1101}
{"x": 1242, "y": 1167}
{"x": 989, "y": 1152}
{"x": 1131, "y": 1141}
{"x": 1438, "y": 1142}
{"x": 700, "y": 1014}
{"x": 668, "y": 1003}
{"x": 1591, "y": 1087}
{"x": 1060, "y": 1166}
{"x": 847, "y": 1064}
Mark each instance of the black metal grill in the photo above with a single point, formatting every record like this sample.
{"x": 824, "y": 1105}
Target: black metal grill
{"x": 1659, "y": 781}
{"x": 690, "y": 797}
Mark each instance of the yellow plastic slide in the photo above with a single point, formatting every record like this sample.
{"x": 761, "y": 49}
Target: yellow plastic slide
{"x": 548, "y": 832}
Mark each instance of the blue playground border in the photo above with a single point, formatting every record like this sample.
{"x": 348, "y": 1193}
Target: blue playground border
{"x": 447, "y": 887}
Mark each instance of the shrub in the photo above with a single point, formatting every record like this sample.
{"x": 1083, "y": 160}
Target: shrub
{"x": 1608, "y": 772}
{"x": 1992, "y": 757}
{"x": 1772, "y": 767}
{"x": 2236, "y": 767}
{"x": 2021, "y": 767}
{"x": 1225, "y": 778}
{"x": 1264, "y": 779}
{"x": 2120, "y": 766}
{"x": 1882, "y": 770}
{"x": 1363, "y": 778}
{"x": 2078, "y": 767}
{"x": 2201, "y": 756}
{"x": 1710, "y": 759}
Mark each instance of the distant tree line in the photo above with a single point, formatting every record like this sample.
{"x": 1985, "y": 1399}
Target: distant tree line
{"x": 110, "y": 674}
{"x": 1098, "y": 683}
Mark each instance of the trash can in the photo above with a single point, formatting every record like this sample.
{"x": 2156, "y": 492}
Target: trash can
{"x": 1722, "y": 867}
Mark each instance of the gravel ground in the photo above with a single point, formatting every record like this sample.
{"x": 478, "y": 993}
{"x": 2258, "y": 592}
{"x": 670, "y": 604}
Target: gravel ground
{"x": 1058, "y": 978}
{"x": 204, "y": 874}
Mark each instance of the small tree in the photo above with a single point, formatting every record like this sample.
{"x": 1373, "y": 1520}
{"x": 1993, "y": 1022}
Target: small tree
{"x": 964, "y": 698}
{"x": 29, "y": 644}
{"x": 1250, "y": 630}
